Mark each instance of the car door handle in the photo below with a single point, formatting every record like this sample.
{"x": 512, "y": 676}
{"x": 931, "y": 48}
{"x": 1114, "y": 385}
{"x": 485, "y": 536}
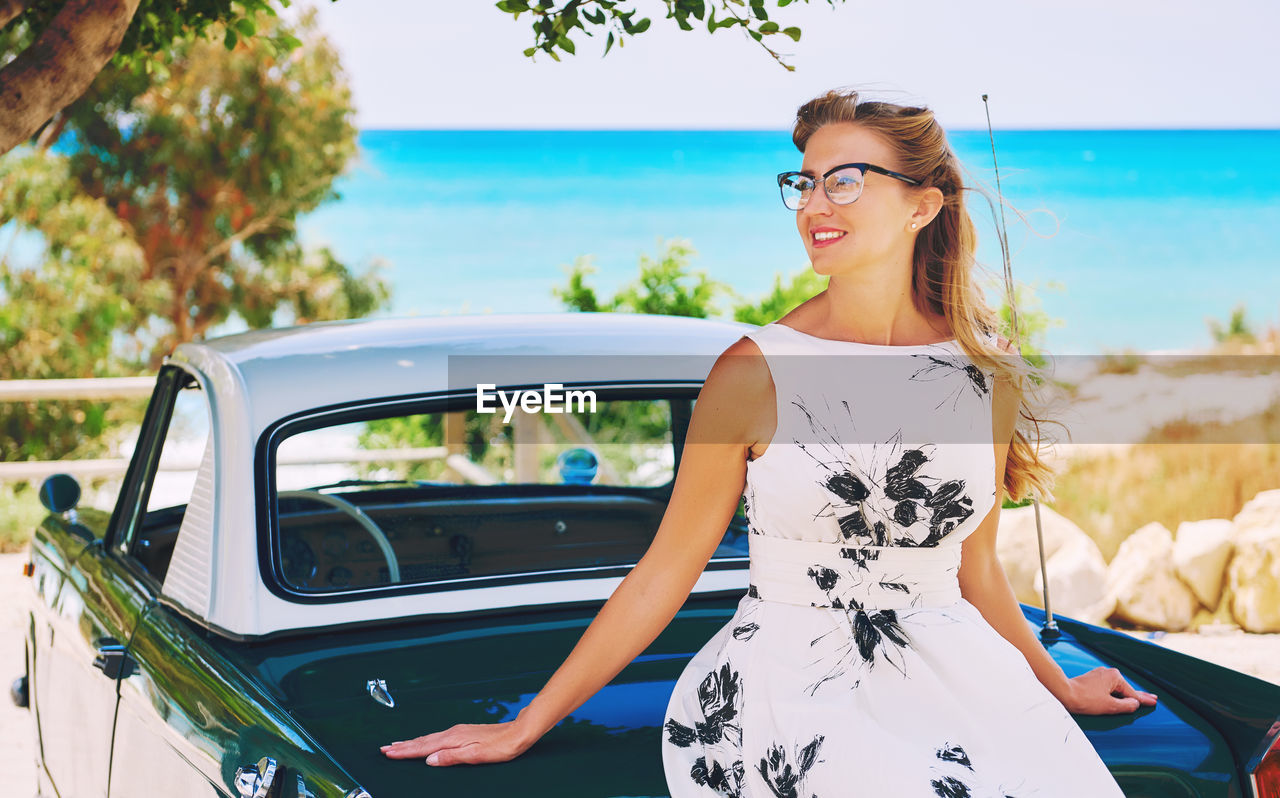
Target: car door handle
{"x": 255, "y": 781}
{"x": 112, "y": 660}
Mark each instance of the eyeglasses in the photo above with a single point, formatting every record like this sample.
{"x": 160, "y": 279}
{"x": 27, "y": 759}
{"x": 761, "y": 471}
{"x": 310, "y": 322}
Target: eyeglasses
{"x": 842, "y": 183}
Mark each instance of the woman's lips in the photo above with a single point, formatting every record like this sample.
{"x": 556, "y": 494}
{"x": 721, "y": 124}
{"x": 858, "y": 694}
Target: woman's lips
{"x": 818, "y": 243}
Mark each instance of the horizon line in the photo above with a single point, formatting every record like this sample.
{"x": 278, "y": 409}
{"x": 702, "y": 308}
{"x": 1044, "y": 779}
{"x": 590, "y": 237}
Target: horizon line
{"x": 1007, "y": 128}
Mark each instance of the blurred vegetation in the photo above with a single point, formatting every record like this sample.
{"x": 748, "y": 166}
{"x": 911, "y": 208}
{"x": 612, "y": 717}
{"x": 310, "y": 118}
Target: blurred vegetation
{"x": 167, "y": 208}
{"x": 1111, "y": 495}
{"x": 164, "y": 207}
{"x": 1237, "y": 328}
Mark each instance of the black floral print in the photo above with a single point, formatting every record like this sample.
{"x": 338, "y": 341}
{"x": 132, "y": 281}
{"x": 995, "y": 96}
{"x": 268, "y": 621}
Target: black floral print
{"x": 881, "y": 494}
{"x": 747, "y": 626}
{"x": 961, "y": 780}
{"x": 720, "y": 697}
{"x": 867, "y": 632}
{"x": 785, "y": 775}
{"x": 749, "y": 499}
{"x": 953, "y": 367}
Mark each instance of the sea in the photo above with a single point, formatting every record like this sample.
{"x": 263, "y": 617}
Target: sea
{"x": 1123, "y": 239}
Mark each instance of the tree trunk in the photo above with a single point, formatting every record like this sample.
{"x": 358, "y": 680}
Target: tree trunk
{"x": 59, "y": 66}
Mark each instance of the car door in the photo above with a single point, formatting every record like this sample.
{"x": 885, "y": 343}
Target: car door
{"x": 189, "y": 719}
{"x": 91, "y": 618}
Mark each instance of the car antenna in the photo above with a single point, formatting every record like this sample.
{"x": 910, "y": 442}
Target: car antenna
{"x": 1049, "y": 630}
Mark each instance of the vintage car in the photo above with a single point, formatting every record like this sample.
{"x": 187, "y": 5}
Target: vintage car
{"x": 358, "y": 551}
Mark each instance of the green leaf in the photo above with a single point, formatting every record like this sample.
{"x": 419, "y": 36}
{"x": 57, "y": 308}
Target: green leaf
{"x": 794, "y": 33}
{"x": 229, "y": 40}
{"x": 769, "y": 27}
{"x": 643, "y": 25}
{"x": 529, "y": 51}
{"x": 246, "y": 27}
{"x": 608, "y": 43}
{"x": 513, "y": 6}
{"x": 566, "y": 44}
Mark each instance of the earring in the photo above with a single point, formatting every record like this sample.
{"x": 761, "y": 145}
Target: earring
{"x": 913, "y": 225}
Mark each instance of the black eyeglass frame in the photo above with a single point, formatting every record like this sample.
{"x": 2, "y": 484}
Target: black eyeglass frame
{"x": 862, "y": 167}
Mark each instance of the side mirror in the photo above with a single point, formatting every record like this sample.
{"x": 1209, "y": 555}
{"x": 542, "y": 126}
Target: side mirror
{"x": 60, "y": 493}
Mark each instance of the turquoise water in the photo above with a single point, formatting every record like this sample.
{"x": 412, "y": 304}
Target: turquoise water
{"x": 1156, "y": 230}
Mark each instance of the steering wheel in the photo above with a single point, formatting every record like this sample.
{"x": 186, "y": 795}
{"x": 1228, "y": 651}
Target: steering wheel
{"x": 361, "y": 518}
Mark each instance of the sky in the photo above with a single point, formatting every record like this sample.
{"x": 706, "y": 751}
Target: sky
{"x": 1045, "y": 65}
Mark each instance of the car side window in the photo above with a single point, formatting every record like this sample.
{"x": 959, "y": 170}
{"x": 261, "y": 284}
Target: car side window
{"x": 165, "y": 471}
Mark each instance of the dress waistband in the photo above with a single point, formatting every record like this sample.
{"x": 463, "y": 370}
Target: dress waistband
{"x": 817, "y": 574}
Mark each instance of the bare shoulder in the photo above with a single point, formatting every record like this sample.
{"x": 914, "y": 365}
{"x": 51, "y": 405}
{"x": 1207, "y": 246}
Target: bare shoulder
{"x": 740, "y": 370}
{"x": 739, "y": 389}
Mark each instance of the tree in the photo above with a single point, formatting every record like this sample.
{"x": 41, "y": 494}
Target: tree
{"x": 51, "y": 50}
{"x": 552, "y": 26}
{"x": 668, "y": 286}
{"x": 210, "y": 166}
{"x": 665, "y": 286}
{"x": 170, "y": 209}
{"x": 58, "y": 317}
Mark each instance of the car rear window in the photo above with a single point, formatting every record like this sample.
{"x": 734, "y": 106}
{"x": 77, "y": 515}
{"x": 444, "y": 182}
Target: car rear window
{"x": 467, "y": 498}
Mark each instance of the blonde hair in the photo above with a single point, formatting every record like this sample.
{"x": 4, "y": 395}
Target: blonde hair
{"x": 942, "y": 279}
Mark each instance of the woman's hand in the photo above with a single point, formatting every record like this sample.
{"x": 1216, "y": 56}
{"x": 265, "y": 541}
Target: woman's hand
{"x": 465, "y": 744}
{"x": 1104, "y": 691}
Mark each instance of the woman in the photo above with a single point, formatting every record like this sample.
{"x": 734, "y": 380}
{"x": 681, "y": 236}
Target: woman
{"x": 879, "y": 650}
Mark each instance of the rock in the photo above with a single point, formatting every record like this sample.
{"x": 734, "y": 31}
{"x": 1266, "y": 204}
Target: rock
{"x": 1144, "y": 584}
{"x": 1077, "y": 569}
{"x": 1262, "y": 510}
{"x": 1019, "y": 554}
{"x": 1253, "y": 574}
{"x": 1077, "y": 582}
{"x": 1201, "y": 550}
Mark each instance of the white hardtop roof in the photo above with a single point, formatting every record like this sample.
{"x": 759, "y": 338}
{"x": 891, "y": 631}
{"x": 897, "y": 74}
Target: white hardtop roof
{"x": 284, "y": 371}
{"x": 254, "y": 379}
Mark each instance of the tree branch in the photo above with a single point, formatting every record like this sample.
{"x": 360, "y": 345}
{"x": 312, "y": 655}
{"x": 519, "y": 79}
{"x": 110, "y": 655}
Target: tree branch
{"x": 258, "y": 225}
{"x": 59, "y": 66}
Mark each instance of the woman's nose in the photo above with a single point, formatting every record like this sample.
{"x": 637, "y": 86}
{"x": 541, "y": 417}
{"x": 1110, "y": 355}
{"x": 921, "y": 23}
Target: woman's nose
{"x": 817, "y": 204}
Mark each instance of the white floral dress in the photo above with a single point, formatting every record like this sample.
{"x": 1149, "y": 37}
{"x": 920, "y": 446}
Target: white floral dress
{"x": 853, "y": 666}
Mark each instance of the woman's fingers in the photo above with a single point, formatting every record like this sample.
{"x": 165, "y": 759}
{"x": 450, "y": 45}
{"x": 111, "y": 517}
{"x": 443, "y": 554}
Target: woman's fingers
{"x": 1130, "y": 698}
{"x": 420, "y": 747}
{"x": 1104, "y": 690}
{"x": 464, "y": 743}
{"x": 470, "y": 754}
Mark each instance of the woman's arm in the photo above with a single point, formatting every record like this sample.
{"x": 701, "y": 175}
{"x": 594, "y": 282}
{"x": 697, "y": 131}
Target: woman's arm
{"x": 708, "y": 486}
{"x": 983, "y": 584}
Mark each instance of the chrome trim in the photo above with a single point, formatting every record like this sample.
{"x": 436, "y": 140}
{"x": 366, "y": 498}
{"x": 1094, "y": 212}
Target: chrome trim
{"x": 378, "y": 692}
{"x": 254, "y": 781}
{"x": 358, "y": 792}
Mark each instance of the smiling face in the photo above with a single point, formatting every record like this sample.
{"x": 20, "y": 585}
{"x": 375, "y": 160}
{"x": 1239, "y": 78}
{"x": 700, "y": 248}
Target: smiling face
{"x": 876, "y": 229}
